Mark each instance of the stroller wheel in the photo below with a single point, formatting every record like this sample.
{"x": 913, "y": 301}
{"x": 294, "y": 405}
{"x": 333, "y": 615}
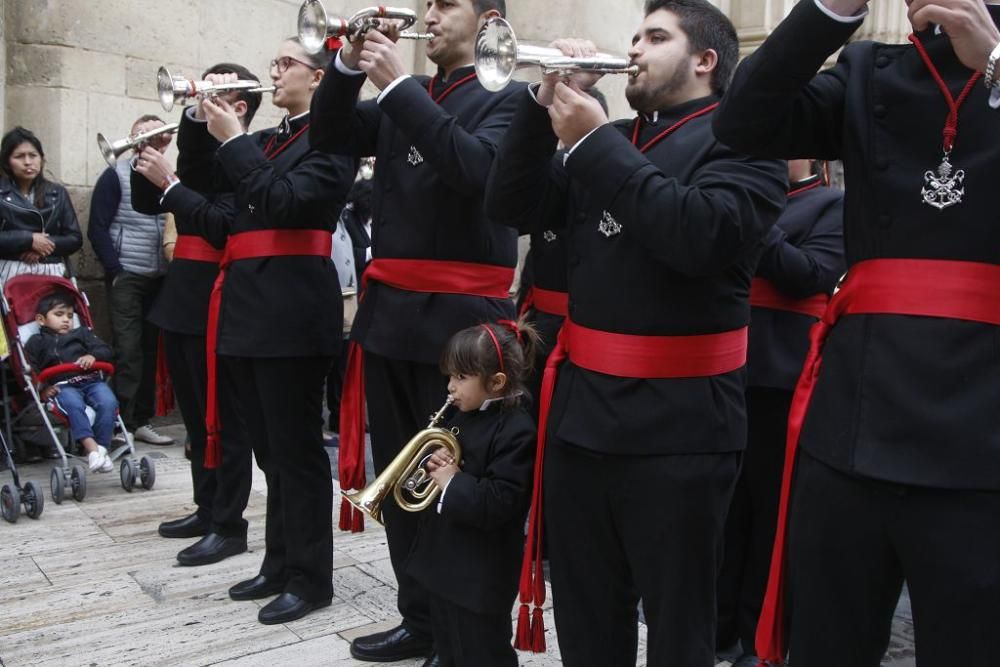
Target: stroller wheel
{"x": 78, "y": 482}
{"x": 128, "y": 473}
{"x": 147, "y": 472}
{"x": 57, "y": 485}
{"x": 34, "y": 500}
{"x": 10, "y": 503}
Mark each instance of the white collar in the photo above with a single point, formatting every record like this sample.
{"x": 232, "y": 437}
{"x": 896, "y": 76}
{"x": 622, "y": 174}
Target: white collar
{"x": 490, "y": 401}
{"x": 301, "y": 115}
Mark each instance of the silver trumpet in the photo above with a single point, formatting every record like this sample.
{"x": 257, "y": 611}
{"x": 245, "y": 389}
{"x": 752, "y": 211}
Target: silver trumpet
{"x": 173, "y": 89}
{"x": 315, "y": 26}
{"x": 498, "y": 56}
{"x": 112, "y": 150}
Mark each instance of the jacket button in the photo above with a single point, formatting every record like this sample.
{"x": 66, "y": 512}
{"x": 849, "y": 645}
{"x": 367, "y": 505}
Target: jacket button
{"x": 882, "y": 61}
{"x": 879, "y": 111}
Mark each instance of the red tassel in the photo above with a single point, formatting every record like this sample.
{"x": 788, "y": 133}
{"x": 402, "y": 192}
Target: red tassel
{"x": 522, "y": 638}
{"x": 345, "y": 514}
{"x": 164, "y": 385}
{"x": 358, "y": 522}
{"x": 213, "y": 451}
{"x": 537, "y": 631}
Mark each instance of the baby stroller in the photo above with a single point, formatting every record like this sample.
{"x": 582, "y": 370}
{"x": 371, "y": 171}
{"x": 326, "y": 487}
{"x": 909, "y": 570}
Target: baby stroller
{"x": 11, "y": 499}
{"x": 20, "y": 298}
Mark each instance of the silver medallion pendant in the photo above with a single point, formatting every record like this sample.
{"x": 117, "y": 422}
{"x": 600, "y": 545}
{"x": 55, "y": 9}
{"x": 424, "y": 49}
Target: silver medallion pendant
{"x": 609, "y": 226}
{"x": 414, "y": 158}
{"x": 549, "y": 236}
{"x": 944, "y": 189}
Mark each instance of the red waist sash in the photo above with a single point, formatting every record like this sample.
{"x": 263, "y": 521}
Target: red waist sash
{"x": 412, "y": 275}
{"x": 249, "y": 245}
{"x": 196, "y": 249}
{"x": 920, "y": 287}
{"x": 621, "y": 355}
{"x": 765, "y": 294}
{"x": 546, "y": 301}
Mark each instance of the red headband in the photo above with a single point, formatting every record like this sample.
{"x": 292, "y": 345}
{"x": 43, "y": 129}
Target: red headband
{"x": 496, "y": 343}
{"x": 511, "y": 326}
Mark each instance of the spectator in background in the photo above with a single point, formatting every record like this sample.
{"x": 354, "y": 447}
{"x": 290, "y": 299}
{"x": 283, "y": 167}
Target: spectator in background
{"x": 129, "y": 247}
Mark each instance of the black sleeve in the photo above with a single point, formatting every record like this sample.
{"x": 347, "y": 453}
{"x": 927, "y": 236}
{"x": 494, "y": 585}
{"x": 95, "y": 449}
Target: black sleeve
{"x": 67, "y": 237}
{"x": 777, "y": 106}
{"x": 103, "y": 206}
{"x": 195, "y": 214}
{"x": 284, "y": 199}
{"x": 32, "y": 349}
{"x": 696, "y": 228}
{"x": 340, "y": 122}
{"x": 97, "y": 347}
{"x": 502, "y": 493}
{"x": 145, "y": 195}
{"x": 528, "y": 187}
{"x": 196, "y": 149}
{"x": 813, "y": 266}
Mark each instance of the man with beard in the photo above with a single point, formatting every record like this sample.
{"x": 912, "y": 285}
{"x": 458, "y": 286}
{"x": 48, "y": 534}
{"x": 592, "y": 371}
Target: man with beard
{"x": 438, "y": 265}
{"x": 897, "y": 478}
{"x": 647, "y": 419}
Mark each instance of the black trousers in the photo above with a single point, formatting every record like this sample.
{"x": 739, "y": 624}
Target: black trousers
{"x": 627, "y": 528}
{"x": 463, "y": 638}
{"x": 281, "y": 402}
{"x": 130, "y": 299}
{"x": 753, "y": 517}
{"x": 220, "y": 494}
{"x": 401, "y": 397}
{"x": 335, "y": 387}
{"x": 852, "y": 543}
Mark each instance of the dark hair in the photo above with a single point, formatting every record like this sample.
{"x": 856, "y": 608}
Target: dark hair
{"x": 9, "y": 144}
{"x": 57, "y": 299}
{"x": 360, "y": 199}
{"x": 318, "y": 60}
{"x": 472, "y": 352}
{"x": 483, "y": 6}
{"x": 706, "y": 28}
{"x": 252, "y": 99}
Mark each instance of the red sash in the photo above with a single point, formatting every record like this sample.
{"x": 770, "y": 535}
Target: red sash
{"x": 546, "y": 301}
{"x": 412, "y": 275}
{"x": 249, "y": 245}
{"x": 920, "y": 287}
{"x": 196, "y": 249}
{"x": 765, "y": 294}
{"x": 621, "y": 355}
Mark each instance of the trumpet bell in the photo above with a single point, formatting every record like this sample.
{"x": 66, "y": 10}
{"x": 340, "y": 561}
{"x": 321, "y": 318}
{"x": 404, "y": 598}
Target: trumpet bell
{"x": 169, "y": 89}
{"x": 496, "y": 54}
{"x": 108, "y": 151}
{"x": 313, "y": 23}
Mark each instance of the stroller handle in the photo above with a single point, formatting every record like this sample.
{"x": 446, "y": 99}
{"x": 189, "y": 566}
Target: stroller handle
{"x": 61, "y": 369}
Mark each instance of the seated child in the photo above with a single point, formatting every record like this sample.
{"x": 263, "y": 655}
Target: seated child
{"x": 467, "y": 552}
{"x": 58, "y": 343}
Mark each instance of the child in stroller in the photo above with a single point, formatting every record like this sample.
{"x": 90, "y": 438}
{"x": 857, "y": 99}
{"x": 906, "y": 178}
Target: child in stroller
{"x": 56, "y": 343}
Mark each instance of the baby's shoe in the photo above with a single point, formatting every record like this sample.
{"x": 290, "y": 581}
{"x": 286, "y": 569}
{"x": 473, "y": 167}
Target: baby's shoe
{"x": 96, "y": 460}
{"x": 107, "y": 466}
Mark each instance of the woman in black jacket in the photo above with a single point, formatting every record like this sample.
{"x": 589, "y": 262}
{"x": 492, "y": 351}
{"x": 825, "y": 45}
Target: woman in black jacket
{"x": 38, "y": 226}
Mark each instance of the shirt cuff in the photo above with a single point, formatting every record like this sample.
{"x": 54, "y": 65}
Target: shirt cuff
{"x": 189, "y": 112}
{"x": 169, "y": 188}
{"x": 577, "y": 144}
{"x": 441, "y": 497}
{"x": 837, "y": 17}
{"x": 392, "y": 85}
{"x": 344, "y": 69}
{"x": 533, "y": 91}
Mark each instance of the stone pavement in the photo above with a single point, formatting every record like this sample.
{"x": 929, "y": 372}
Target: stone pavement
{"x": 91, "y": 583}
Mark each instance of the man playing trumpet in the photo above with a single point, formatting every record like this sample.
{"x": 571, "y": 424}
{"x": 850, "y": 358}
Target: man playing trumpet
{"x": 664, "y": 227}
{"x": 434, "y": 140}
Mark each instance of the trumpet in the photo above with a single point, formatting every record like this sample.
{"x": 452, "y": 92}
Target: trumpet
{"x": 498, "y": 55}
{"x": 112, "y": 150}
{"x": 173, "y": 89}
{"x": 315, "y": 26}
{"x": 406, "y": 478}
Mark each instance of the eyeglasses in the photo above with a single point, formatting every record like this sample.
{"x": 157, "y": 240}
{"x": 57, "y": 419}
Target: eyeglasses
{"x": 284, "y": 62}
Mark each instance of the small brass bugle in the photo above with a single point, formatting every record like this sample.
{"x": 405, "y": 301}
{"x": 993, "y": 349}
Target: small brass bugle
{"x": 112, "y": 150}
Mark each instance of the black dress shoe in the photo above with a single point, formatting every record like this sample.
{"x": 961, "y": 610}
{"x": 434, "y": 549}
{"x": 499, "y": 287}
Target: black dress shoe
{"x": 190, "y": 526}
{"x": 211, "y": 549}
{"x": 389, "y": 646}
{"x": 433, "y": 661}
{"x": 256, "y": 588}
{"x": 288, "y": 607}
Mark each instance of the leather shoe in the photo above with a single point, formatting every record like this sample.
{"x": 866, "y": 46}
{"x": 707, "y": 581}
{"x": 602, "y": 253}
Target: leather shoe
{"x": 211, "y": 549}
{"x": 190, "y": 526}
{"x": 288, "y": 607}
{"x": 389, "y": 646}
{"x": 433, "y": 661}
{"x": 256, "y": 588}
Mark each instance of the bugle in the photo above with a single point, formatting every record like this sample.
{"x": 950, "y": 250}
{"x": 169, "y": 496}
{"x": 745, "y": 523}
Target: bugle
{"x": 112, "y": 150}
{"x": 173, "y": 89}
{"x": 406, "y": 478}
{"x": 316, "y": 26}
{"x": 498, "y": 55}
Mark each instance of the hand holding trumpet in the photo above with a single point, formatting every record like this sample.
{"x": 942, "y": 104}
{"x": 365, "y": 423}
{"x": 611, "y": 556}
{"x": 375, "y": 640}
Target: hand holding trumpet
{"x": 441, "y": 466}
{"x": 574, "y": 113}
{"x": 584, "y": 80}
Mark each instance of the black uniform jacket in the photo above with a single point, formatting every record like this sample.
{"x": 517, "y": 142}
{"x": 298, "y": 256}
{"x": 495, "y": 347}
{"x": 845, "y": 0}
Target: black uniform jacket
{"x": 274, "y": 306}
{"x": 181, "y": 305}
{"x": 432, "y": 209}
{"x": 900, "y": 398}
{"x": 470, "y": 553}
{"x": 686, "y": 223}
{"x": 20, "y": 218}
{"x": 803, "y": 256}
{"x": 546, "y": 268}
{"x": 49, "y": 348}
